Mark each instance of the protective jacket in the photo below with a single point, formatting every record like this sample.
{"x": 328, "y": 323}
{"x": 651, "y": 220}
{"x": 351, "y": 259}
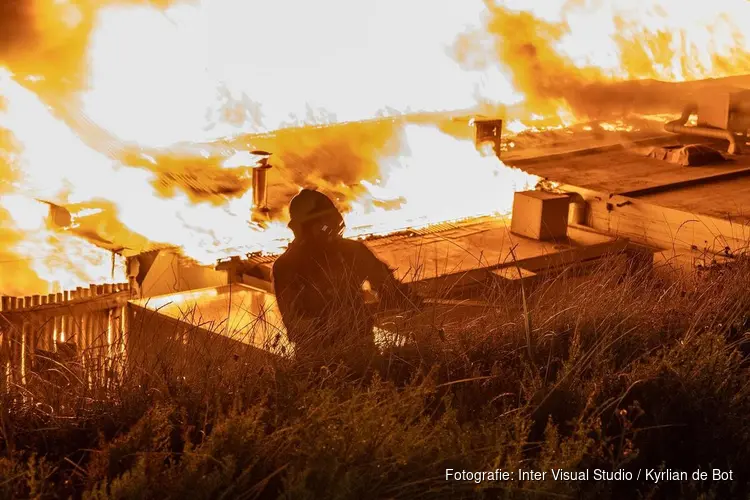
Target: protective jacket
{"x": 319, "y": 290}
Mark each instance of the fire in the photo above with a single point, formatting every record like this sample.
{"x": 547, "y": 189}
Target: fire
{"x": 211, "y": 69}
{"x": 435, "y": 178}
{"x": 61, "y": 261}
{"x": 425, "y": 181}
{"x": 564, "y": 55}
{"x": 86, "y": 175}
{"x": 194, "y": 72}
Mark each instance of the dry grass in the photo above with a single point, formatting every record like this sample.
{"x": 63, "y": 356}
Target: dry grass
{"x": 606, "y": 372}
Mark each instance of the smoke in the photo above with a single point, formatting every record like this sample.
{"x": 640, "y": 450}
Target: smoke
{"x": 581, "y": 57}
{"x": 526, "y": 46}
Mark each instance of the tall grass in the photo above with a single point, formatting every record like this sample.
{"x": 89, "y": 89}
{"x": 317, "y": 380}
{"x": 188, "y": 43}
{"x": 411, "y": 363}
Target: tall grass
{"x": 607, "y": 371}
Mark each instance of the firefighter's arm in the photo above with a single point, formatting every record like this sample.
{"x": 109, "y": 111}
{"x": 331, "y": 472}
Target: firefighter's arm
{"x": 392, "y": 292}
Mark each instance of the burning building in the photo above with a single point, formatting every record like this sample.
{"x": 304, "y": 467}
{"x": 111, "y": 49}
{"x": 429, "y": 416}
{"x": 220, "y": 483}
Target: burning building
{"x": 104, "y": 189}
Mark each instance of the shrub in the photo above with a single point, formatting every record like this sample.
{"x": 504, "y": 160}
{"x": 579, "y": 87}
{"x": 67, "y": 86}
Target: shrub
{"x": 609, "y": 373}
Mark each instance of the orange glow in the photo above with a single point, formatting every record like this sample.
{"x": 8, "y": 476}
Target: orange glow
{"x": 562, "y": 55}
{"x": 63, "y": 261}
{"x": 57, "y": 166}
{"x": 197, "y": 71}
{"x": 207, "y": 231}
{"x": 177, "y": 300}
{"x": 435, "y": 178}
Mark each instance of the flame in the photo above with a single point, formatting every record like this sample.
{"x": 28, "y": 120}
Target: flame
{"x": 192, "y": 297}
{"x": 54, "y": 164}
{"x": 431, "y": 177}
{"x": 435, "y": 178}
{"x": 195, "y": 72}
{"x": 59, "y": 261}
{"x": 45, "y": 37}
{"x": 202, "y": 71}
{"x": 565, "y": 55}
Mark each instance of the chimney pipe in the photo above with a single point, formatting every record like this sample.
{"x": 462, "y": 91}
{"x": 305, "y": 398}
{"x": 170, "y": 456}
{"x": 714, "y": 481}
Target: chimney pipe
{"x": 679, "y": 127}
{"x": 260, "y": 187}
{"x": 489, "y": 131}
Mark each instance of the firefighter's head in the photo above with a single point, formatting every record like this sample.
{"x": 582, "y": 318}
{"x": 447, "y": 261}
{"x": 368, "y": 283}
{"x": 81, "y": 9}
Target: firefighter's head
{"x": 314, "y": 216}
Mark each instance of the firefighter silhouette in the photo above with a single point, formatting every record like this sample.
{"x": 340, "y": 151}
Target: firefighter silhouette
{"x": 319, "y": 281}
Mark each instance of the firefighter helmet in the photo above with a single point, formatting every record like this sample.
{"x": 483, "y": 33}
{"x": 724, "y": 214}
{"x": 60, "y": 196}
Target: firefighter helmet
{"x": 313, "y": 212}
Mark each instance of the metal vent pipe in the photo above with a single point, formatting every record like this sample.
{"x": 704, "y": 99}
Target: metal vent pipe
{"x": 678, "y": 127}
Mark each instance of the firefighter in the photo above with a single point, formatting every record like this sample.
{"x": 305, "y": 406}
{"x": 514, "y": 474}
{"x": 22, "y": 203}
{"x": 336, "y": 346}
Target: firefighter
{"x": 319, "y": 282}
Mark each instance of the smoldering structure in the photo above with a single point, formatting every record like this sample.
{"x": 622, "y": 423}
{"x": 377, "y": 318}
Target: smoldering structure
{"x": 663, "y": 197}
{"x": 641, "y": 196}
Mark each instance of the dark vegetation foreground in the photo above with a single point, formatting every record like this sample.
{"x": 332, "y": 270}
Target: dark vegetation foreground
{"x": 612, "y": 374}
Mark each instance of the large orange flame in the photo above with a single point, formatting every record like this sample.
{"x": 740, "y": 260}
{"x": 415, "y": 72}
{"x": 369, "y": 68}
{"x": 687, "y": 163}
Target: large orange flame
{"x": 201, "y": 71}
{"x": 427, "y": 177}
{"x": 148, "y": 76}
{"x": 565, "y": 55}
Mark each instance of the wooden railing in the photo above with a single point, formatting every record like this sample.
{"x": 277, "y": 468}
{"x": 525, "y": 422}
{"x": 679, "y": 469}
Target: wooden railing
{"x": 41, "y": 334}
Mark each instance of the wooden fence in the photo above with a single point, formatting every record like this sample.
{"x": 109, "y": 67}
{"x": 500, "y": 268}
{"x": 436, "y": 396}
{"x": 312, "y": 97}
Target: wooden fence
{"x": 42, "y": 336}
